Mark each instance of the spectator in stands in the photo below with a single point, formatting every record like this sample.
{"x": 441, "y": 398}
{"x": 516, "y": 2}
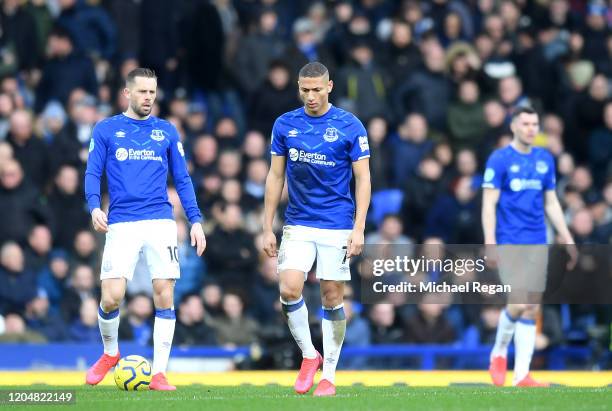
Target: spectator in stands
{"x": 388, "y": 241}
{"x": 305, "y": 49}
{"x": 583, "y": 227}
{"x": 511, "y": 95}
{"x": 582, "y": 181}
{"x": 401, "y": 56}
{"x": 383, "y": 324}
{"x": 453, "y": 216}
{"x": 234, "y": 328}
{"x": 163, "y": 57}
{"x": 53, "y": 281}
{"x": 467, "y": 165}
{"x": 66, "y": 204}
{"x": 429, "y": 324}
{"x": 17, "y": 284}
{"x": 71, "y": 146}
{"x": 427, "y": 89}
{"x": 82, "y": 287}
{"x": 600, "y": 148}
{"x": 212, "y": 295}
{"x": 361, "y": 86}
{"x": 254, "y": 146}
{"x": 7, "y": 106}
{"x": 85, "y": 249}
{"x": 466, "y": 117}
{"x": 380, "y": 154}
{"x": 265, "y": 304}
{"x": 196, "y": 121}
{"x": 495, "y": 118}
{"x": 204, "y": 41}
{"x": 256, "y": 51}
{"x": 19, "y": 30}
{"x": 191, "y": 324}
{"x": 274, "y": 96}
{"x": 192, "y": 266}
{"x": 90, "y": 26}
{"x": 420, "y": 192}
{"x": 384, "y": 329}
{"x": 85, "y": 327}
{"x": 409, "y": 149}
{"x": 586, "y": 115}
{"x": 204, "y": 157}
{"x": 39, "y": 319}
{"x": 137, "y": 325}
{"x": 255, "y": 183}
{"x": 229, "y": 164}
{"x": 15, "y": 331}
{"x": 64, "y": 71}
{"x": 36, "y": 253}
{"x": 29, "y": 150}
{"x": 232, "y": 266}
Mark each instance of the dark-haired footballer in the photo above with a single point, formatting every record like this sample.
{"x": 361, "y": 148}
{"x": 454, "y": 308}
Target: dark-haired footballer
{"x": 319, "y": 147}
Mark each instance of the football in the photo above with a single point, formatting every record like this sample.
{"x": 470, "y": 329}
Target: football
{"x": 133, "y": 373}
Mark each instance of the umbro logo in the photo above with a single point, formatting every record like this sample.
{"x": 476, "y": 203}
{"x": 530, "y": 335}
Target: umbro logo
{"x": 120, "y": 134}
{"x": 292, "y": 133}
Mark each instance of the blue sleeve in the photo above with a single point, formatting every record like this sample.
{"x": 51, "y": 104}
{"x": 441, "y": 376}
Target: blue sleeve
{"x": 550, "y": 180}
{"x": 359, "y": 146}
{"x": 96, "y": 162}
{"x": 494, "y": 172}
{"x": 278, "y": 146}
{"x": 182, "y": 181}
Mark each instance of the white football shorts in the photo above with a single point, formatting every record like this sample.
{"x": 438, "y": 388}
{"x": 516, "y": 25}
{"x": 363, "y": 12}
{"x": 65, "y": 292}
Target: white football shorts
{"x": 524, "y": 267}
{"x": 301, "y": 246}
{"x": 155, "y": 240}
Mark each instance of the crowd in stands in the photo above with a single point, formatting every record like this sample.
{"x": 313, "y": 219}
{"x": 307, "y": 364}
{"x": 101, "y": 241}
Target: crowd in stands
{"x": 434, "y": 82}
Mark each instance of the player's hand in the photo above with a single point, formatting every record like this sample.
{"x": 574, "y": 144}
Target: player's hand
{"x": 269, "y": 243}
{"x": 99, "y": 220}
{"x": 197, "y": 238}
{"x": 572, "y": 251}
{"x": 354, "y": 245}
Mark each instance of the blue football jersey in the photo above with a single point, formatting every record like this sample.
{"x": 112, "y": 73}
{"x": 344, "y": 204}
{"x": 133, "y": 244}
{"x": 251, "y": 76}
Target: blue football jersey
{"x": 137, "y": 155}
{"x": 522, "y": 180}
{"x": 320, "y": 152}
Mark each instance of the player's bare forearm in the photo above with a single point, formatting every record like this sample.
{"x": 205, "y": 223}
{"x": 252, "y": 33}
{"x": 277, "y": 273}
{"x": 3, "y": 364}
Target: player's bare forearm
{"x": 363, "y": 192}
{"x": 361, "y": 170}
{"x": 489, "y": 219}
{"x": 274, "y": 188}
{"x": 554, "y": 212}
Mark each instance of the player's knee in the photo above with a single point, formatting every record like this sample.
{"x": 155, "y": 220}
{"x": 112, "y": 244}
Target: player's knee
{"x": 289, "y": 293}
{"x": 331, "y": 298}
{"x": 164, "y": 297}
{"x": 108, "y": 303}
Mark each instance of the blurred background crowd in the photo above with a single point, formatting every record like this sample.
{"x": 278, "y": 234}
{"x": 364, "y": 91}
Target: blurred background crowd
{"x": 434, "y": 82}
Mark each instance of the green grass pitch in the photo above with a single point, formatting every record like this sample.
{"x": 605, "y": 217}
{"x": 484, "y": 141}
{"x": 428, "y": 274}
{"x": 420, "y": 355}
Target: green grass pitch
{"x": 355, "y": 398}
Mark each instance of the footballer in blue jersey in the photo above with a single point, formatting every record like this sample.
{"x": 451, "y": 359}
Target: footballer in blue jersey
{"x": 518, "y": 193}
{"x": 136, "y": 150}
{"x": 318, "y": 147}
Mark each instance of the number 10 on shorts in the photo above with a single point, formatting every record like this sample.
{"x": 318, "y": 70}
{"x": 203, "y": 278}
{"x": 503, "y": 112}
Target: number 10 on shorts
{"x": 173, "y": 253}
